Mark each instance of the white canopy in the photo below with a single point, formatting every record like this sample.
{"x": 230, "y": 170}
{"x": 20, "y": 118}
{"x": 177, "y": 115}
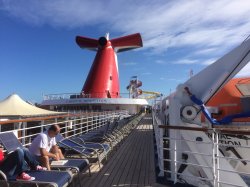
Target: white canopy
{"x": 13, "y": 105}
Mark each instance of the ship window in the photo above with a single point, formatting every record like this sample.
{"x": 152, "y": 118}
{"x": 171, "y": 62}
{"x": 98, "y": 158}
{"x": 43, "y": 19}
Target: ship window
{"x": 96, "y": 107}
{"x": 244, "y": 89}
{"x": 245, "y": 104}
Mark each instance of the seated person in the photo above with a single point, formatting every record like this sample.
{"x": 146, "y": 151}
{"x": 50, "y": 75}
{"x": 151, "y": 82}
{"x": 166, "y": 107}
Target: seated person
{"x": 44, "y": 146}
{"x": 17, "y": 163}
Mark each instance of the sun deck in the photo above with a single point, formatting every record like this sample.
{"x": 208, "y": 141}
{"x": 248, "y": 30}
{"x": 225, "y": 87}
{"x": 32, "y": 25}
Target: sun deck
{"x": 132, "y": 164}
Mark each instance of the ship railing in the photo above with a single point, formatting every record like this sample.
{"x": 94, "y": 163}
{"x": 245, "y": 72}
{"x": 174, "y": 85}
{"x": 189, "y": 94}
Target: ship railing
{"x": 82, "y": 95}
{"x": 170, "y": 161}
{"x": 159, "y": 142}
{"x": 70, "y": 124}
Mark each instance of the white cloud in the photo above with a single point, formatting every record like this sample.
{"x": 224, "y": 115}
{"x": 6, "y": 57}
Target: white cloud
{"x": 186, "y": 61}
{"x": 202, "y": 26}
{"x": 207, "y": 51}
{"x": 195, "y": 61}
{"x": 146, "y": 73}
{"x": 176, "y": 80}
{"x": 171, "y": 79}
{"x": 245, "y": 71}
{"x": 62, "y": 13}
{"x": 160, "y": 62}
{"x": 129, "y": 64}
{"x": 209, "y": 61}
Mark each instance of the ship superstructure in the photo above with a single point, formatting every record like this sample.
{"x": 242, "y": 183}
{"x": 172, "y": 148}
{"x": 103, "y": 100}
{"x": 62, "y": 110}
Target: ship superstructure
{"x": 101, "y": 90}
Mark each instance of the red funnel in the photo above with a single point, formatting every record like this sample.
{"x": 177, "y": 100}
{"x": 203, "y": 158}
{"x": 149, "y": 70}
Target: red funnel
{"x": 103, "y": 77}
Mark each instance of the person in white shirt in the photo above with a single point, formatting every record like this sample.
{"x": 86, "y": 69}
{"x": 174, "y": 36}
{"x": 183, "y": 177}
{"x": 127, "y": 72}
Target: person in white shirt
{"x": 44, "y": 146}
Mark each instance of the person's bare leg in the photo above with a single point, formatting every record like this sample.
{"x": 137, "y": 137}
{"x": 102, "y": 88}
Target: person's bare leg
{"x": 59, "y": 152}
{"x": 45, "y": 162}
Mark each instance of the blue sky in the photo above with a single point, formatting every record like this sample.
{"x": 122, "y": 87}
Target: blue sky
{"x": 38, "y": 53}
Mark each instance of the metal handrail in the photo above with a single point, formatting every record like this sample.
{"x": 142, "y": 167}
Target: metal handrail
{"x": 195, "y": 153}
{"x": 76, "y": 123}
{"x": 191, "y": 164}
{"x": 79, "y": 95}
{"x": 186, "y": 140}
{"x": 215, "y": 156}
{"x": 181, "y": 174}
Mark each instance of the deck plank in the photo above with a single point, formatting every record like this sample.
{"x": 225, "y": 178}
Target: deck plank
{"x": 142, "y": 177}
{"x": 107, "y": 173}
{"x": 126, "y": 157}
{"x": 136, "y": 169}
{"x": 132, "y": 164}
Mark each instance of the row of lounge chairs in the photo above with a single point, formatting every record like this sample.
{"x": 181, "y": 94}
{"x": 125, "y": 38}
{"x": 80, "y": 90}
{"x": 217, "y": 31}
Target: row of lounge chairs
{"x": 97, "y": 144}
{"x": 78, "y": 150}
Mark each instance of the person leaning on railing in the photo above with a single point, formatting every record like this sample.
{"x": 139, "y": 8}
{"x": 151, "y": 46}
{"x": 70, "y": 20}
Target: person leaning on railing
{"x": 17, "y": 163}
{"x": 44, "y": 146}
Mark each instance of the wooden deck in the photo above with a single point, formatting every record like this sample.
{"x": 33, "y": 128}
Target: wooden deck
{"x": 132, "y": 164}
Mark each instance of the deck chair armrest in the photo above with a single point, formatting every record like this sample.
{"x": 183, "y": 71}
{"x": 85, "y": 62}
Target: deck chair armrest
{"x": 70, "y": 148}
{"x": 96, "y": 136}
{"x": 95, "y": 143}
{"x": 81, "y": 139}
{"x": 82, "y": 146}
{"x": 92, "y": 143}
{"x": 2, "y": 176}
{"x": 95, "y": 150}
{"x": 69, "y": 155}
